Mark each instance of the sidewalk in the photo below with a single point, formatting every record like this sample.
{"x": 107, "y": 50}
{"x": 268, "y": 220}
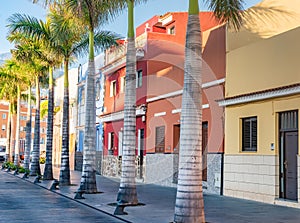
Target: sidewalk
{"x": 159, "y": 203}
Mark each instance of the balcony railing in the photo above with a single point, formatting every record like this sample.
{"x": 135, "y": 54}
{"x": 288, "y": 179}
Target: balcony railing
{"x": 116, "y": 53}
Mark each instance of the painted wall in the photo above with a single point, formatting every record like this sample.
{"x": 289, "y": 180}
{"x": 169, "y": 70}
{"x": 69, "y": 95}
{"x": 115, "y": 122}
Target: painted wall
{"x": 264, "y": 20}
{"x": 267, "y": 124}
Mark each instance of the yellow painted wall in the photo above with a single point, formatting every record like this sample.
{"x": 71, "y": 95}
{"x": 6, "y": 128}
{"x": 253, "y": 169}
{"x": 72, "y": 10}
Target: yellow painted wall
{"x": 267, "y": 123}
{"x": 266, "y": 64}
{"x": 264, "y": 20}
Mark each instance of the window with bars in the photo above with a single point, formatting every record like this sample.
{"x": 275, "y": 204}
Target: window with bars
{"x": 204, "y": 150}
{"x": 160, "y": 139}
{"x": 249, "y": 134}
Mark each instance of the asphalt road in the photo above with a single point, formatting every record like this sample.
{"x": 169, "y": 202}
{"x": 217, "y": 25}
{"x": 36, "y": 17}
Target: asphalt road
{"x": 21, "y": 201}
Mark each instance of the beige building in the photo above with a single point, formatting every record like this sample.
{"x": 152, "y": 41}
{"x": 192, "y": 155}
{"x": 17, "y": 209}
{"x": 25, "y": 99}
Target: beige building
{"x": 262, "y": 102}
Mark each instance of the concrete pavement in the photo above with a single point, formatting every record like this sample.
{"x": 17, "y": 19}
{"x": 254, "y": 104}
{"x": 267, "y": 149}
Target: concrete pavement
{"x": 159, "y": 203}
{"x": 22, "y": 202}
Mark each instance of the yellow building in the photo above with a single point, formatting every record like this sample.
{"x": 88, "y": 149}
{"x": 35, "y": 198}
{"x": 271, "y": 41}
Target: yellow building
{"x": 262, "y": 102}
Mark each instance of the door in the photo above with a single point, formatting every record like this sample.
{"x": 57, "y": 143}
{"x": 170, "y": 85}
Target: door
{"x": 288, "y": 127}
{"x": 290, "y": 165}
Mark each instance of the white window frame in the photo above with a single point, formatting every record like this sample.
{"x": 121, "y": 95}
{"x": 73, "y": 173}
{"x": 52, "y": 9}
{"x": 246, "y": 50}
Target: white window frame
{"x": 120, "y": 144}
{"x": 113, "y": 88}
{"x": 122, "y": 84}
{"x": 139, "y": 79}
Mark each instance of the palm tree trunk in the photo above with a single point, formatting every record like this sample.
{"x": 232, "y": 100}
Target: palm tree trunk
{"x": 64, "y": 176}
{"x": 88, "y": 178}
{"x": 12, "y": 136}
{"x": 189, "y": 205}
{"x": 35, "y": 162}
{"x": 17, "y": 144}
{"x": 8, "y": 135}
{"x": 48, "y": 172}
{"x": 127, "y": 192}
{"x": 28, "y": 132}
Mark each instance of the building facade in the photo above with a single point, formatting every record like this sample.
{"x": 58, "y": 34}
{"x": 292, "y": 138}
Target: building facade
{"x": 262, "y": 91}
{"x": 159, "y": 80}
{"x": 80, "y": 124}
{"x": 4, "y": 107}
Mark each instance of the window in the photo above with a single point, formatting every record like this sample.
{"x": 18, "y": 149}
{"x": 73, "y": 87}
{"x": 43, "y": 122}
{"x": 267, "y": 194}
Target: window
{"x": 122, "y": 84}
{"x": 113, "y": 88}
{"x": 139, "y": 78}
{"x": 160, "y": 139}
{"x": 97, "y": 90}
{"x": 111, "y": 137}
{"x": 81, "y": 96}
{"x": 172, "y": 30}
{"x": 204, "y": 150}
{"x": 42, "y": 141}
{"x": 249, "y": 134}
{"x": 4, "y": 116}
{"x": 140, "y": 143}
{"x": 120, "y": 146}
{"x": 3, "y": 127}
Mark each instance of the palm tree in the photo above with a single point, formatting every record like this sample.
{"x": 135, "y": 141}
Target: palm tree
{"x": 50, "y": 58}
{"x": 61, "y": 37}
{"x": 29, "y": 52}
{"x": 127, "y": 194}
{"x": 28, "y": 130}
{"x": 15, "y": 78}
{"x": 189, "y": 205}
{"x": 92, "y": 14}
{"x": 8, "y": 93}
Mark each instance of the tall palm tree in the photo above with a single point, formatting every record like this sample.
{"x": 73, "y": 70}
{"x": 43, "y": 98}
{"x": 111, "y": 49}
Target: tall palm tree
{"x": 50, "y": 58}
{"x": 29, "y": 52}
{"x": 15, "y": 79}
{"x": 28, "y": 130}
{"x": 9, "y": 94}
{"x": 67, "y": 38}
{"x": 189, "y": 205}
{"x": 127, "y": 194}
{"x": 92, "y": 14}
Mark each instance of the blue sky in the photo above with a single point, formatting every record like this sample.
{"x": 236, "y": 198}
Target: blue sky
{"x": 142, "y": 13}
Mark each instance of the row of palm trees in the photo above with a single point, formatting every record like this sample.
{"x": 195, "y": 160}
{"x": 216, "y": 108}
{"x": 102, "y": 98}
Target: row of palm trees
{"x": 72, "y": 28}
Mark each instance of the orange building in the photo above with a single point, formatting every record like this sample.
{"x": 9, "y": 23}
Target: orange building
{"x": 160, "y": 59}
{"x": 3, "y": 124}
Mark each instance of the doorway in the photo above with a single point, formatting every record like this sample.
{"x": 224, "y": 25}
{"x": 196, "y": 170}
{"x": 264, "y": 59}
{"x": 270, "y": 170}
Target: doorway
{"x": 288, "y": 126}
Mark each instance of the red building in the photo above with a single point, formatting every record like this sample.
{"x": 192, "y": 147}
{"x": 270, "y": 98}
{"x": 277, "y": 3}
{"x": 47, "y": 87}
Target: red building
{"x": 160, "y": 58}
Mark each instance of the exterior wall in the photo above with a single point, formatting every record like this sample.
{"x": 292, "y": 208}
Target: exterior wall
{"x": 163, "y": 74}
{"x": 277, "y": 56}
{"x": 112, "y": 167}
{"x": 3, "y": 122}
{"x": 253, "y": 177}
{"x": 286, "y": 16}
{"x": 162, "y": 169}
{"x": 58, "y": 101}
{"x": 213, "y": 185}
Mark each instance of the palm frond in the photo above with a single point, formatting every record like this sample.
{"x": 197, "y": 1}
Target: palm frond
{"x": 30, "y": 26}
{"x": 230, "y": 11}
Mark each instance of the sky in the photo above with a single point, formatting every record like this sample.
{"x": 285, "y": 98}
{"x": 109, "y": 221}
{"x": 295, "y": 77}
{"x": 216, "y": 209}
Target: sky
{"x": 142, "y": 13}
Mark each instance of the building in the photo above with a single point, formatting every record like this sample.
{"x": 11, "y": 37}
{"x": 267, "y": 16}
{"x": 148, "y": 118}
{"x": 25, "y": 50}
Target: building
{"x": 82, "y": 72}
{"x": 57, "y": 123}
{"x": 4, "y": 106}
{"x": 262, "y": 102}
{"x": 160, "y": 59}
